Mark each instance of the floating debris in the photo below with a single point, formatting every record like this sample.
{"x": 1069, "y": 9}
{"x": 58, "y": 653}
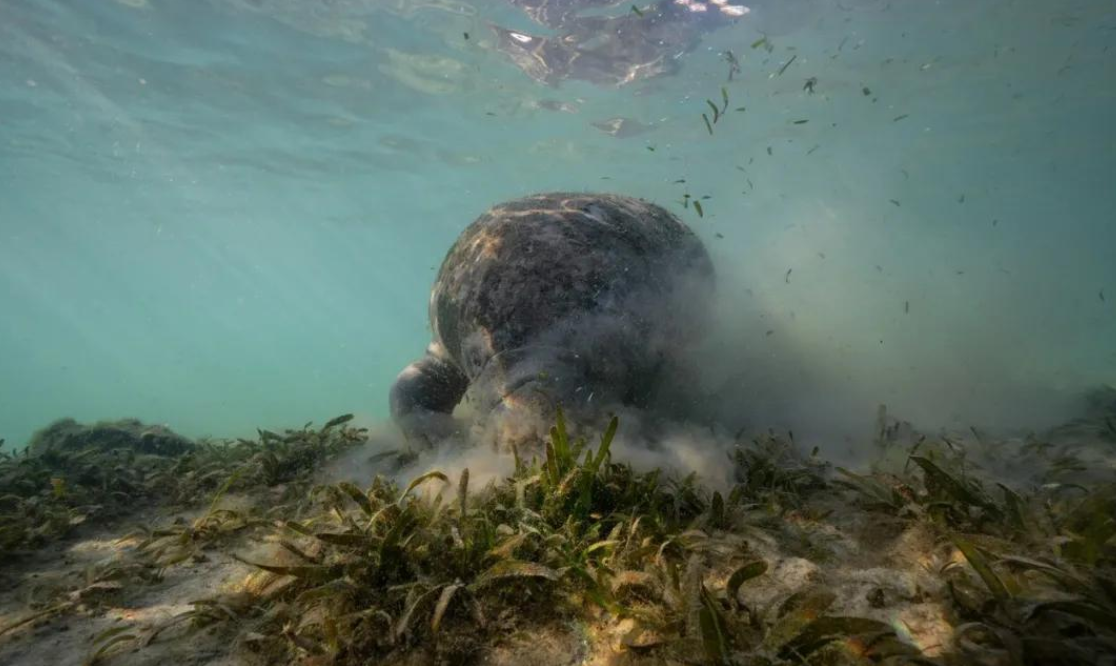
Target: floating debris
{"x": 697, "y": 207}
{"x": 734, "y": 64}
{"x": 765, "y": 43}
{"x": 786, "y": 65}
{"x": 811, "y": 151}
{"x": 716, "y": 111}
{"x": 786, "y": 278}
{"x": 708, "y": 125}
{"x": 637, "y": 11}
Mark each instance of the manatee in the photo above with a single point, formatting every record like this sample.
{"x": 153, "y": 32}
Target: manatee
{"x": 67, "y": 436}
{"x": 571, "y": 300}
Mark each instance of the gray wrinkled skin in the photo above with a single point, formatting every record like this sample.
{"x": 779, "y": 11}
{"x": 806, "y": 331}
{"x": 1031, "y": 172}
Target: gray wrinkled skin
{"x": 578, "y": 300}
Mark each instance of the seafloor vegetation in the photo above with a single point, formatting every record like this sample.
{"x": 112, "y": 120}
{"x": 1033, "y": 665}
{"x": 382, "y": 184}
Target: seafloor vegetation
{"x": 948, "y": 565}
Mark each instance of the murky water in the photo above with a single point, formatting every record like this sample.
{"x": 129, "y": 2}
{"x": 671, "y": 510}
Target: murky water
{"x": 228, "y": 213}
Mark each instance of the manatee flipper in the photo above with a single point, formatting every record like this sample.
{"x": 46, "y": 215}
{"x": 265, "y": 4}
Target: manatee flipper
{"x": 424, "y": 396}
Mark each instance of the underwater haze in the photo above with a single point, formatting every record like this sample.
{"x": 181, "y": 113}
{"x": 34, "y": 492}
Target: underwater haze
{"x": 224, "y": 214}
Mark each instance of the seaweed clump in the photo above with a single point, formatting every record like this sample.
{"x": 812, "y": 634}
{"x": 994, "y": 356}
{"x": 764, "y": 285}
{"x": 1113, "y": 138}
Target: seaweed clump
{"x": 1032, "y": 574}
{"x": 659, "y": 569}
{"x": 72, "y": 474}
{"x": 438, "y": 571}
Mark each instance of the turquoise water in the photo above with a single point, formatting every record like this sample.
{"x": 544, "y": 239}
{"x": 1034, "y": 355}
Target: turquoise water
{"x": 225, "y": 214}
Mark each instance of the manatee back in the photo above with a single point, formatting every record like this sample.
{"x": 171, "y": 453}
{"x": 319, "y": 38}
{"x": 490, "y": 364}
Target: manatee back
{"x": 589, "y": 272}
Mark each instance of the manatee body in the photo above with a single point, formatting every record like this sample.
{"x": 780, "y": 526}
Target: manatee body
{"x": 560, "y": 299}
{"x": 66, "y": 436}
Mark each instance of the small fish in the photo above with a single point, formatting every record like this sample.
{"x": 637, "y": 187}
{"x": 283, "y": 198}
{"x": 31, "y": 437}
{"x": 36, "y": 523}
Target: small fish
{"x": 786, "y": 278}
{"x": 821, "y": 254}
{"x": 762, "y": 41}
{"x": 716, "y": 111}
{"x": 637, "y": 11}
{"x": 787, "y": 64}
{"x": 724, "y": 99}
{"x": 995, "y": 222}
{"x": 811, "y": 151}
{"x": 961, "y": 199}
{"x": 898, "y": 118}
{"x": 466, "y": 36}
{"x": 750, "y": 185}
{"x": 801, "y": 122}
{"x": 906, "y": 176}
{"x": 708, "y": 125}
{"x": 719, "y": 235}
{"x": 651, "y": 148}
{"x": 879, "y": 268}
{"x": 697, "y": 207}
{"x": 814, "y": 452}
{"x": 810, "y": 83}
{"x": 895, "y": 201}
{"x": 705, "y": 197}
{"x": 769, "y": 150}
{"x": 1100, "y": 295}
{"x": 769, "y": 333}
{"x": 680, "y": 180}
{"x": 489, "y": 113}
{"x": 866, "y": 91}
{"x": 906, "y": 307}
{"x": 741, "y": 109}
